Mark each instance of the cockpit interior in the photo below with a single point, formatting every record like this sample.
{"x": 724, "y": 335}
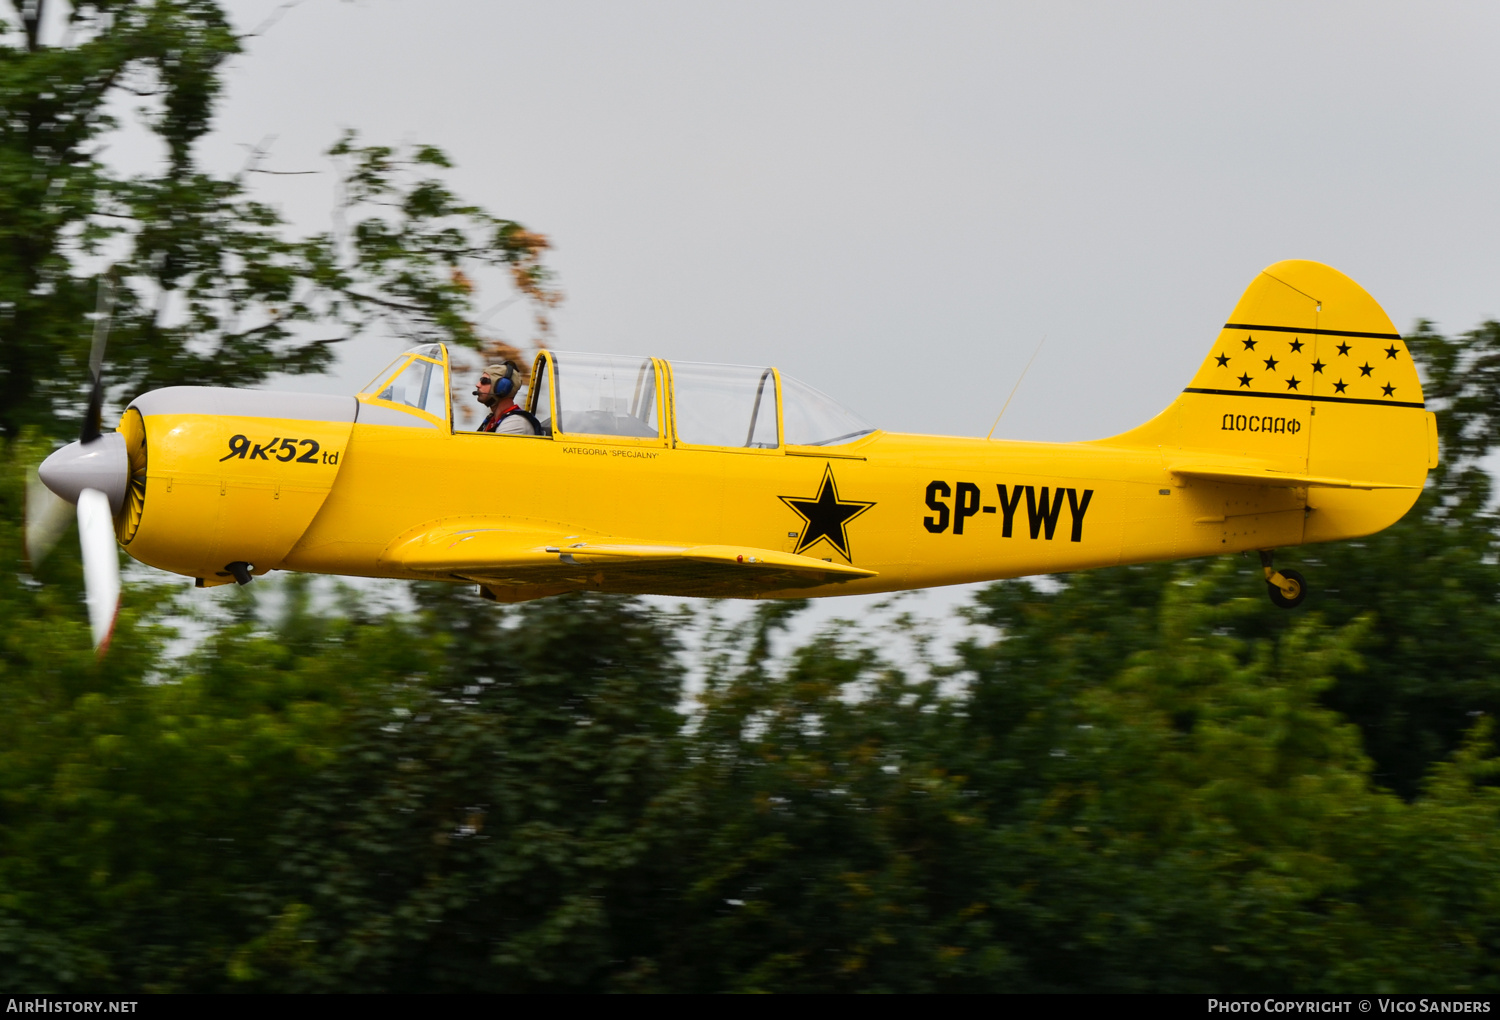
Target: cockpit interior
{"x": 648, "y": 400}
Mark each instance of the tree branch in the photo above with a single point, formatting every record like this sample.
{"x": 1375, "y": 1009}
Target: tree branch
{"x": 397, "y": 306}
{"x": 243, "y": 334}
{"x": 272, "y": 19}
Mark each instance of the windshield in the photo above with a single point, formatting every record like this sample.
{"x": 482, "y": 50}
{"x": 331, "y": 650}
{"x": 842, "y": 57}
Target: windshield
{"x": 418, "y": 378}
{"x": 385, "y": 373}
{"x": 434, "y": 351}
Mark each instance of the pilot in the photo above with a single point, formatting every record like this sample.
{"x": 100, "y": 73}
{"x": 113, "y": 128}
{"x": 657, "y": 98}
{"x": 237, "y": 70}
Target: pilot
{"x": 497, "y": 391}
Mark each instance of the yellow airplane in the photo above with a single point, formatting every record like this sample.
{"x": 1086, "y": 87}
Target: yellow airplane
{"x": 1305, "y": 423}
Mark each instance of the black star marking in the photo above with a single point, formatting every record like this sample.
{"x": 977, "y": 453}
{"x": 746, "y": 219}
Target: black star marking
{"x": 1391, "y": 351}
{"x": 1271, "y": 364}
{"x": 1249, "y": 344}
{"x": 1245, "y": 380}
{"x": 825, "y": 515}
{"x": 1296, "y": 345}
{"x": 1365, "y": 369}
{"x": 1223, "y": 359}
{"x": 1339, "y": 386}
{"x": 1318, "y": 367}
{"x": 1291, "y": 383}
{"x": 1389, "y": 389}
{"x": 1343, "y": 348}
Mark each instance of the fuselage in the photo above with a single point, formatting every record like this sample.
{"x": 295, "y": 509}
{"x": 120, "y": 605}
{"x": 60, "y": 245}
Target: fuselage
{"x": 917, "y": 510}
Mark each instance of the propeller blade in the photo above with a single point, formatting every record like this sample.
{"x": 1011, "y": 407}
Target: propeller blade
{"x": 102, "y": 310}
{"x": 47, "y": 517}
{"x": 101, "y": 564}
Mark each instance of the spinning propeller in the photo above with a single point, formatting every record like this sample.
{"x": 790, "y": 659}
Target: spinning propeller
{"x": 94, "y": 474}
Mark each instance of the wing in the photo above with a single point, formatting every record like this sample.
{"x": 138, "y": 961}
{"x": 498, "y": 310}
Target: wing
{"x": 517, "y": 561}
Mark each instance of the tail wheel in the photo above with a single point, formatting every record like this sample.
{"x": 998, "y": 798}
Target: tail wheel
{"x": 1281, "y": 599}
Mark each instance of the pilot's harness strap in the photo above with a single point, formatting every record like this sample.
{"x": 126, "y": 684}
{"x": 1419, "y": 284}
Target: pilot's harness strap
{"x": 491, "y": 424}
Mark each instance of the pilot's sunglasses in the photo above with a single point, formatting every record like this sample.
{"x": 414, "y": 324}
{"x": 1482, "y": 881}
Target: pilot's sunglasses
{"x": 484, "y": 380}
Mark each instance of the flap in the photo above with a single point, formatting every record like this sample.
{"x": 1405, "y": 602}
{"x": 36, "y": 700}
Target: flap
{"x": 1245, "y": 473}
{"x": 503, "y": 554}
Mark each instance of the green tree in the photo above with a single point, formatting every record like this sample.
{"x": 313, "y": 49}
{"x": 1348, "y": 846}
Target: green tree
{"x": 158, "y": 777}
{"x": 832, "y": 845}
{"x": 213, "y": 288}
{"x": 1196, "y": 820}
{"x": 504, "y": 824}
{"x": 136, "y": 791}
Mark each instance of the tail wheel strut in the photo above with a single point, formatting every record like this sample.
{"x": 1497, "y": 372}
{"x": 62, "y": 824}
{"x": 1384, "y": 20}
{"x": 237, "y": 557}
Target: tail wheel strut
{"x": 1287, "y": 588}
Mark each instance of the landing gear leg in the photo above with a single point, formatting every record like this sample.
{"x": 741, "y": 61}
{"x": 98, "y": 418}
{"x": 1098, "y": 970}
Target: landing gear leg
{"x": 1287, "y": 588}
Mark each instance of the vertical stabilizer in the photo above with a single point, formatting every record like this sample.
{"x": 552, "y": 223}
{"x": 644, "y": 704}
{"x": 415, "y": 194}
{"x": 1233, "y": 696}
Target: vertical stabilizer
{"x": 1307, "y": 378}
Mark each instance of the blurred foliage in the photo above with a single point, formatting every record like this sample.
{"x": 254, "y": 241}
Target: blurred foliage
{"x": 497, "y": 823}
{"x": 1144, "y": 778}
{"x": 213, "y": 289}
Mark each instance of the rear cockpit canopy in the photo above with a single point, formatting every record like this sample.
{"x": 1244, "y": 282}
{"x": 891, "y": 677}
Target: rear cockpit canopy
{"x": 597, "y": 395}
{"x": 576, "y": 394}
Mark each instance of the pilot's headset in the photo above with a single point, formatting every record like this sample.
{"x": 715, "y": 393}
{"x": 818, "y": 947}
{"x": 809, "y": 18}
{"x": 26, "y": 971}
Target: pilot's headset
{"x": 503, "y": 380}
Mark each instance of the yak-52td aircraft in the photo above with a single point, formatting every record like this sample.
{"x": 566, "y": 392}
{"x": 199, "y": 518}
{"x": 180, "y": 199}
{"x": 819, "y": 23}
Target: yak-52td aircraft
{"x": 1305, "y": 423}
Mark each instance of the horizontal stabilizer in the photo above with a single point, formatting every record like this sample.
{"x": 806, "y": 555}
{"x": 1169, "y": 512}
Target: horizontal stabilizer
{"x": 1255, "y": 475}
{"x": 501, "y": 555}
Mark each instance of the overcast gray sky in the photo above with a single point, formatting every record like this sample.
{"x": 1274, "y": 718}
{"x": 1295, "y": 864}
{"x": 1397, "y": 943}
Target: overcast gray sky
{"x": 897, "y": 201}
